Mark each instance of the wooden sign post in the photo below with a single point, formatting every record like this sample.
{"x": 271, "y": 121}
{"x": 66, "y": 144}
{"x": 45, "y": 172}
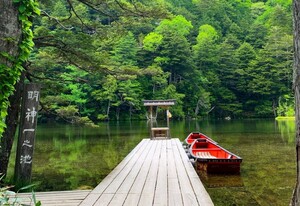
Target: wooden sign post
{"x": 28, "y": 121}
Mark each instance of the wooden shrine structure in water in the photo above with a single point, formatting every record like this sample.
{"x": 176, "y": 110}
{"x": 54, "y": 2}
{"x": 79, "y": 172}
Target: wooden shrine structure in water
{"x": 159, "y": 132}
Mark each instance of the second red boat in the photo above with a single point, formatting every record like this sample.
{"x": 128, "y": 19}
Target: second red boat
{"x": 196, "y": 135}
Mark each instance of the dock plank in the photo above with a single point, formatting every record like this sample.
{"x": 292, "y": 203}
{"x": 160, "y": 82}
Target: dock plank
{"x": 174, "y": 195}
{"x": 120, "y": 174}
{"x": 104, "y": 199}
{"x": 118, "y": 199}
{"x": 149, "y": 186}
{"x": 200, "y": 192}
{"x": 124, "y": 172}
{"x": 187, "y": 191}
{"x": 138, "y": 185}
{"x": 140, "y": 180}
{"x": 161, "y": 192}
{"x": 127, "y": 184}
{"x": 124, "y": 188}
{"x": 132, "y": 199}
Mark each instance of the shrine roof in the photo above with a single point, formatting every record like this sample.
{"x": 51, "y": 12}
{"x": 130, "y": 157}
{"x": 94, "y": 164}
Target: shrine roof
{"x": 168, "y": 102}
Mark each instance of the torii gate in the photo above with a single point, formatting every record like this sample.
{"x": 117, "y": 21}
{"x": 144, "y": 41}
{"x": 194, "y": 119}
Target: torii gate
{"x": 159, "y": 132}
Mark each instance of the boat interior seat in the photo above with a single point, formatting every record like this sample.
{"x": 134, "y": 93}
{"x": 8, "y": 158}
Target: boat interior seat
{"x": 205, "y": 155}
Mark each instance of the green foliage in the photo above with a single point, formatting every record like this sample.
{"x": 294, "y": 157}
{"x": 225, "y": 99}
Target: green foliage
{"x": 264, "y": 109}
{"x": 125, "y": 50}
{"x": 68, "y": 112}
{"x": 152, "y": 41}
{"x": 170, "y": 93}
{"x": 178, "y": 24}
{"x": 60, "y": 10}
{"x": 174, "y": 54}
{"x": 216, "y": 57}
{"x": 207, "y": 34}
{"x": 286, "y": 106}
{"x": 206, "y": 49}
{"x": 244, "y": 55}
{"x": 74, "y": 92}
{"x": 71, "y": 114}
{"x": 107, "y": 92}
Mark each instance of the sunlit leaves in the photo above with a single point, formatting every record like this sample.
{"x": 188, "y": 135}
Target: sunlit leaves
{"x": 178, "y": 24}
{"x": 207, "y": 34}
{"x": 206, "y": 49}
{"x": 152, "y": 41}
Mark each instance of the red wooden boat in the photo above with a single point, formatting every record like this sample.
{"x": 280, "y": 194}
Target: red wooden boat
{"x": 213, "y": 158}
{"x": 196, "y": 135}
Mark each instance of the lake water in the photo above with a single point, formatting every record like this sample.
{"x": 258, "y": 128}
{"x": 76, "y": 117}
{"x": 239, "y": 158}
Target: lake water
{"x": 67, "y": 157}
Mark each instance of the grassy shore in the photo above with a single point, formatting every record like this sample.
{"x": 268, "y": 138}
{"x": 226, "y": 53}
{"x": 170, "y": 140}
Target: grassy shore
{"x": 285, "y": 118}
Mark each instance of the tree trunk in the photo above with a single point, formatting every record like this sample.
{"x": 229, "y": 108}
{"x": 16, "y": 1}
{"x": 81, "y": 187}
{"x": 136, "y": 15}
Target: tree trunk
{"x": 10, "y": 36}
{"x": 11, "y": 122}
{"x": 197, "y": 108}
{"x": 118, "y": 113}
{"x": 108, "y": 109}
{"x": 130, "y": 111}
{"x": 274, "y": 106}
{"x": 296, "y": 85}
{"x": 10, "y": 30}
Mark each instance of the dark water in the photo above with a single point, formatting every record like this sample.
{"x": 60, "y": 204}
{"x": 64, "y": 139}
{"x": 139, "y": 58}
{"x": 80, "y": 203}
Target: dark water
{"x": 68, "y": 157}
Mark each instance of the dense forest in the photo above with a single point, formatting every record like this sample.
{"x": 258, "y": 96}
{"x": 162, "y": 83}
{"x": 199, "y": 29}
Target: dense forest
{"x": 97, "y": 60}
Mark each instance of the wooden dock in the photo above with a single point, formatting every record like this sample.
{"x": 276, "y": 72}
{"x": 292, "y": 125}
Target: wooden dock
{"x": 155, "y": 172}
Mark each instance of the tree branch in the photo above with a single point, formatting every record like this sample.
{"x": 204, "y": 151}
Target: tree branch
{"x": 44, "y": 13}
{"x": 72, "y": 9}
{"x": 90, "y": 5}
{"x": 126, "y": 9}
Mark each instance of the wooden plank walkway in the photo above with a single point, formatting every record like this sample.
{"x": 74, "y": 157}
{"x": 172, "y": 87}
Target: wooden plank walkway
{"x": 155, "y": 172}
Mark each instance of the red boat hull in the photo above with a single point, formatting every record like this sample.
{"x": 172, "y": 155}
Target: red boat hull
{"x": 213, "y": 158}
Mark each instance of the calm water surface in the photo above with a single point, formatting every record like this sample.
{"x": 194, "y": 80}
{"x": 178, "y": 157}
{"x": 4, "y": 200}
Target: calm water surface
{"x": 68, "y": 157}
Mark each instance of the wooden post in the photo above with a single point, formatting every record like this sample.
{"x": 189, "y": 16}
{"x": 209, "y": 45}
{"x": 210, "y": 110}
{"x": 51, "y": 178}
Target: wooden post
{"x": 28, "y": 121}
{"x": 151, "y": 122}
{"x": 168, "y": 123}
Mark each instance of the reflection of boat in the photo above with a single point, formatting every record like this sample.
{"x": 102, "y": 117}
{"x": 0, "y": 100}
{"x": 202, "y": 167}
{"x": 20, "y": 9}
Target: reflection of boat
{"x": 213, "y": 158}
{"x": 196, "y": 135}
{"x": 220, "y": 180}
